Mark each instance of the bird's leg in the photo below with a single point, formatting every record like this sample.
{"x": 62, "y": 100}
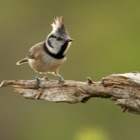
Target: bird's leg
{"x": 46, "y": 78}
{"x": 60, "y": 78}
{"x": 37, "y": 81}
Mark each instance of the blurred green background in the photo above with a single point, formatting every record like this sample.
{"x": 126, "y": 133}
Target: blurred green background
{"x": 106, "y": 41}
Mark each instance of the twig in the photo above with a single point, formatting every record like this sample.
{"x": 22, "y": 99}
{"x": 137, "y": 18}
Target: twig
{"x": 124, "y": 89}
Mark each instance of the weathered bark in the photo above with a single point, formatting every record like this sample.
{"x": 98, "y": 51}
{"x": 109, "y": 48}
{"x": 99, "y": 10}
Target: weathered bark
{"x": 124, "y": 89}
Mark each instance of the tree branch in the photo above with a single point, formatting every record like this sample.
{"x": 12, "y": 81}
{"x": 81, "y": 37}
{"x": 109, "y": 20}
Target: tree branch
{"x": 124, "y": 89}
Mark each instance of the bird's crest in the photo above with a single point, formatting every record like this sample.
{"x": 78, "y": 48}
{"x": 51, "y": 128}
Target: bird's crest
{"x": 58, "y": 24}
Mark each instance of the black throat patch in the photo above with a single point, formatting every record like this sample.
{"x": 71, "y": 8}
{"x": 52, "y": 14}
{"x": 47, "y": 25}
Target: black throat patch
{"x": 60, "y": 54}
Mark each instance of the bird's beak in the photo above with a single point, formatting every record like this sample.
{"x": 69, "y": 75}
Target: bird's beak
{"x": 70, "y": 40}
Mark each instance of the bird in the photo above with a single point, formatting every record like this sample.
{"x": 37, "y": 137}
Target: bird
{"x": 49, "y": 55}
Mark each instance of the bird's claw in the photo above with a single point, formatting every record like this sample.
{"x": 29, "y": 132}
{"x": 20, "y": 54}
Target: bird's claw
{"x": 61, "y": 80}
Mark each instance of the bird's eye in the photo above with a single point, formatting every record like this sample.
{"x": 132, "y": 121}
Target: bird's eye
{"x": 53, "y": 36}
{"x": 59, "y": 38}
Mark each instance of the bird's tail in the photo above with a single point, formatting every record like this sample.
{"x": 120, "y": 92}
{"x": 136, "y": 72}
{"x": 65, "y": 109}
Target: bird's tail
{"x": 25, "y": 60}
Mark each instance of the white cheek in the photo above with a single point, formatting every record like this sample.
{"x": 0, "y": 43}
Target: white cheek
{"x": 57, "y": 46}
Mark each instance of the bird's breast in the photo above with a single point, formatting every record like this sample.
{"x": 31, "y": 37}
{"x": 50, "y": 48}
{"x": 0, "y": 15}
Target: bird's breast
{"x": 46, "y": 63}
